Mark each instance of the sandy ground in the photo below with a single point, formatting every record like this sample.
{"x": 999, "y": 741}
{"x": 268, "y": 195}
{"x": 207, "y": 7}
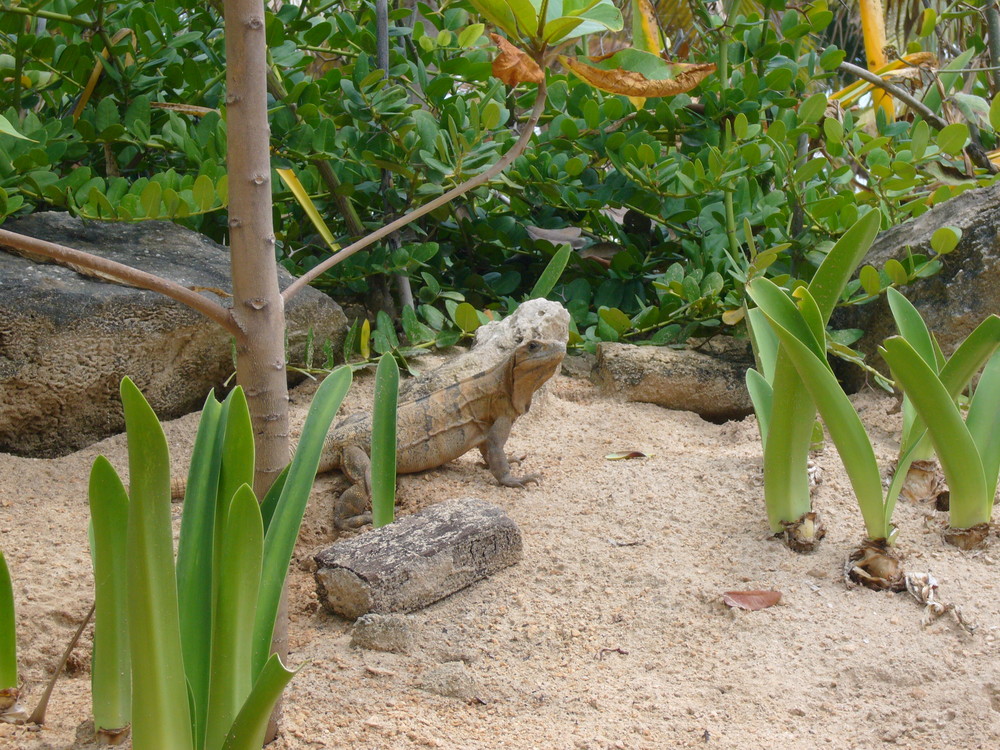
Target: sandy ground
{"x": 611, "y": 632}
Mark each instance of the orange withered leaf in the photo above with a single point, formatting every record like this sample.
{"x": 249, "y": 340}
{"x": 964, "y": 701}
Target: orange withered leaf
{"x": 637, "y": 73}
{"x": 513, "y": 66}
{"x": 751, "y": 600}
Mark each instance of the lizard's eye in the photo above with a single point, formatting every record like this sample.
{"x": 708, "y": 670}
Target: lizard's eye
{"x": 534, "y": 346}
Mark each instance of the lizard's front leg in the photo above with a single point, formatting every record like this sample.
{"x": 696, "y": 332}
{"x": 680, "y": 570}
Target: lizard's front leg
{"x": 353, "y": 507}
{"x": 492, "y": 449}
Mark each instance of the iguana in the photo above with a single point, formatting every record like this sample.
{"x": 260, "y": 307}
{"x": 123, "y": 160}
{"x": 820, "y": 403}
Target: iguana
{"x": 469, "y": 402}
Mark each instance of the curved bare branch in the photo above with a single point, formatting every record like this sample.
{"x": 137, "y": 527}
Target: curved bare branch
{"x": 126, "y": 274}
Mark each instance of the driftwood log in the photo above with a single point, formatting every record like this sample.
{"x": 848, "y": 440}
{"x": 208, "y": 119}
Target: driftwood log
{"x": 417, "y": 560}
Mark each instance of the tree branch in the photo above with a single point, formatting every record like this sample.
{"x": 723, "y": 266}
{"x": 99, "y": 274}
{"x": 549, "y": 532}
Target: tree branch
{"x": 126, "y": 274}
{"x": 473, "y": 182}
{"x": 976, "y": 154}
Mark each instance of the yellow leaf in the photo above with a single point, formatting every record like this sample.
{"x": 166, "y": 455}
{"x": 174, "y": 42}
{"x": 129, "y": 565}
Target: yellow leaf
{"x": 645, "y": 32}
{"x": 95, "y": 74}
{"x": 366, "y": 337}
{"x": 513, "y": 66}
{"x": 183, "y": 109}
{"x": 292, "y": 182}
{"x": 734, "y": 316}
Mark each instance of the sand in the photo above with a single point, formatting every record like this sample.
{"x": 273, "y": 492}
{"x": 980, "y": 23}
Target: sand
{"x": 611, "y": 632}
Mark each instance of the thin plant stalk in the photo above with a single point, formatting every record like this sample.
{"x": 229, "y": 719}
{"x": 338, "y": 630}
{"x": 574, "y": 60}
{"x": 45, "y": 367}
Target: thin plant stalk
{"x": 383, "y": 447}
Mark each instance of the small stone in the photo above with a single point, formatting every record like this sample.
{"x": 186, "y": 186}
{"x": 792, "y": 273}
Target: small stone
{"x": 376, "y": 632}
{"x": 451, "y": 680}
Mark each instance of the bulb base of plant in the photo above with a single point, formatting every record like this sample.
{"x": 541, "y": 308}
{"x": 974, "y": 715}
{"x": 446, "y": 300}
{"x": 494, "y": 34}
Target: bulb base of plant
{"x": 925, "y": 485}
{"x": 968, "y": 539}
{"x": 805, "y": 534}
{"x": 8, "y": 697}
{"x": 877, "y": 566}
{"x": 113, "y": 736}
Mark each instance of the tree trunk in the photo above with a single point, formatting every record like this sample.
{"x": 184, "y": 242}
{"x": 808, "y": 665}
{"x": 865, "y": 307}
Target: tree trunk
{"x": 258, "y": 309}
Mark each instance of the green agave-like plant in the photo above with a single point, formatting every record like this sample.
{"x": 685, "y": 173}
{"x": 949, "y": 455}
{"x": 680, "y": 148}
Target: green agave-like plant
{"x": 9, "y": 684}
{"x": 786, "y": 423}
{"x": 969, "y": 449}
{"x": 183, "y": 651}
{"x": 797, "y": 326}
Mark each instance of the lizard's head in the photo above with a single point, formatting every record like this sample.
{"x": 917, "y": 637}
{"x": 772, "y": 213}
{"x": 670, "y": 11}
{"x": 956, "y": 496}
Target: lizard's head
{"x": 535, "y": 361}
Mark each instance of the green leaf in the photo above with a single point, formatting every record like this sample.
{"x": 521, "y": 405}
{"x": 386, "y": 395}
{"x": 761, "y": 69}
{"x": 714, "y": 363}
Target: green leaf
{"x": 466, "y": 317}
{"x": 812, "y": 109}
{"x": 470, "y": 34}
{"x": 896, "y": 271}
{"x": 491, "y": 115}
{"x": 952, "y": 138}
{"x": 955, "y": 448}
{"x": 279, "y": 542}
{"x": 762, "y": 398}
{"x": 8, "y": 630}
{"x": 7, "y": 129}
{"x": 602, "y": 17}
{"x": 928, "y": 22}
{"x": 871, "y": 282}
{"x": 248, "y": 730}
{"x": 195, "y": 556}
{"x": 616, "y": 319}
{"x": 160, "y": 709}
{"x": 383, "y": 448}
{"x": 232, "y": 641}
{"x": 983, "y": 424}
{"x": 842, "y": 421}
{"x": 995, "y": 113}
{"x": 945, "y": 239}
{"x": 553, "y": 270}
{"x": 110, "y": 671}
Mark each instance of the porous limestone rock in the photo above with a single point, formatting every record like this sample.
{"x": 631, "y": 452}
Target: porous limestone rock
{"x": 709, "y": 383}
{"x": 66, "y": 339}
{"x": 952, "y": 302}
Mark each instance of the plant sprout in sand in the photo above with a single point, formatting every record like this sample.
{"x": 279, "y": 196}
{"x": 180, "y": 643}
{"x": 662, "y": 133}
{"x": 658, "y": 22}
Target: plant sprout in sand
{"x": 782, "y": 401}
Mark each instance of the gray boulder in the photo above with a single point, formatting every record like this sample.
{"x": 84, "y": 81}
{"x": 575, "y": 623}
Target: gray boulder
{"x": 952, "y": 302}
{"x": 66, "y": 340}
{"x": 709, "y": 383}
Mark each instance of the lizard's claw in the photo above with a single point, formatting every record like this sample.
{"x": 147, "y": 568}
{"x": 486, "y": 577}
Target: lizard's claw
{"x": 511, "y": 481}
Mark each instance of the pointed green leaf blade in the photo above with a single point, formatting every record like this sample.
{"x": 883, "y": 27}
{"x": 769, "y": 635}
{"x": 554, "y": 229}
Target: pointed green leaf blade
{"x": 110, "y": 671}
{"x": 279, "y": 541}
{"x": 232, "y": 640}
{"x": 953, "y": 444}
{"x": 195, "y": 555}
{"x": 160, "y": 710}
{"x": 383, "y": 450}
{"x": 248, "y": 730}
{"x": 8, "y": 633}
{"x": 983, "y": 422}
{"x": 845, "y": 427}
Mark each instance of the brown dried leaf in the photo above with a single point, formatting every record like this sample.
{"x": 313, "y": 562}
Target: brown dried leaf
{"x": 630, "y": 83}
{"x": 751, "y": 600}
{"x": 572, "y": 236}
{"x": 621, "y": 455}
{"x": 602, "y": 252}
{"x": 513, "y": 66}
